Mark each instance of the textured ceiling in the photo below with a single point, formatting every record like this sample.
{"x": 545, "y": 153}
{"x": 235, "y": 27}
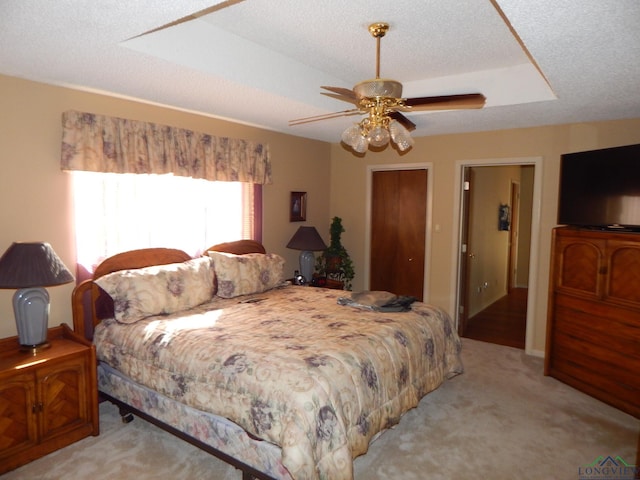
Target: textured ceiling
{"x": 262, "y": 62}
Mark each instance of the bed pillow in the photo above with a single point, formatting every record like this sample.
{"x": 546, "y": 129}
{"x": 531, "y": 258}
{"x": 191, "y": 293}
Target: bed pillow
{"x": 159, "y": 289}
{"x": 245, "y": 274}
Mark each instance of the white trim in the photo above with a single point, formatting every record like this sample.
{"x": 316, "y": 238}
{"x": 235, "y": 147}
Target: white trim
{"x": 535, "y": 353}
{"x": 535, "y": 236}
{"x": 428, "y": 166}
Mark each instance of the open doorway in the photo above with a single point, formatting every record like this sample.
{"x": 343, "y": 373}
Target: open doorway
{"x": 498, "y": 217}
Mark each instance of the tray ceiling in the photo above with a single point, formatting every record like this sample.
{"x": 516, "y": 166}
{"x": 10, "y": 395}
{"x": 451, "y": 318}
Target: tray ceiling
{"x": 262, "y": 62}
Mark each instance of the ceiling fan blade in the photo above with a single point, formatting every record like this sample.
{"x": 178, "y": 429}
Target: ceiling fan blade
{"x": 446, "y": 102}
{"x": 404, "y": 121}
{"x": 345, "y": 92}
{"x": 340, "y": 97}
{"x": 298, "y": 121}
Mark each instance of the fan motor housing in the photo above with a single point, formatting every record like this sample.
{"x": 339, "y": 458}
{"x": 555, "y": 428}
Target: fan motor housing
{"x": 378, "y": 87}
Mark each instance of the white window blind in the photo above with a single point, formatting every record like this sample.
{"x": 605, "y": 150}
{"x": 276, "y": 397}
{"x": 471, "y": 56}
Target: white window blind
{"x": 119, "y": 212}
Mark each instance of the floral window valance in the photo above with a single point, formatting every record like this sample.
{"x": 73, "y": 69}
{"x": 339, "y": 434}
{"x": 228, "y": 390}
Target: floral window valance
{"x": 97, "y": 143}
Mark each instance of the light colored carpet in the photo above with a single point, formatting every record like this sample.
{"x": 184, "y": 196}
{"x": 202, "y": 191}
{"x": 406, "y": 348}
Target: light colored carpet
{"x": 501, "y": 419}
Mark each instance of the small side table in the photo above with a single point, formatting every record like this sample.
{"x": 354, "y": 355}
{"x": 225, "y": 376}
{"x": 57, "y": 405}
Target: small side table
{"x": 321, "y": 282}
{"x": 49, "y": 399}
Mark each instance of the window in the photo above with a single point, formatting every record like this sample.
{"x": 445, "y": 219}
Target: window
{"x": 120, "y": 212}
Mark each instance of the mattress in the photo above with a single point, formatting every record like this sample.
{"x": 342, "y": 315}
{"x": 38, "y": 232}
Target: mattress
{"x": 212, "y": 430}
{"x": 291, "y": 366}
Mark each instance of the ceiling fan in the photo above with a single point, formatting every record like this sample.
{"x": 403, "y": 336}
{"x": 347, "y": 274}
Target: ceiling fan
{"x": 382, "y": 100}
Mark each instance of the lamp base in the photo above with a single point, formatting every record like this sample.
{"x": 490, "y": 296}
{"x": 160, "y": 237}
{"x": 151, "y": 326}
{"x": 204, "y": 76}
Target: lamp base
{"x": 35, "y": 349}
{"x": 307, "y": 264}
{"x": 31, "y": 309}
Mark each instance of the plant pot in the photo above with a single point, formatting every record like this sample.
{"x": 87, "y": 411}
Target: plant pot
{"x": 334, "y": 264}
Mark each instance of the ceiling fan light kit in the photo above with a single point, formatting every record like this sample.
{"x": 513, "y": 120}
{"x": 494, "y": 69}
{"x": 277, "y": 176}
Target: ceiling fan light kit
{"x": 377, "y": 131}
{"x": 382, "y": 100}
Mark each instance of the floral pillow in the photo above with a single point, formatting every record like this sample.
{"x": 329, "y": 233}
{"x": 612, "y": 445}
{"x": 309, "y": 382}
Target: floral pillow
{"x": 159, "y": 289}
{"x": 245, "y": 274}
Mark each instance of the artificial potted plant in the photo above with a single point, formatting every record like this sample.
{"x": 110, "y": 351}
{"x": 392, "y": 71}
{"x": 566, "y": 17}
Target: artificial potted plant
{"x": 335, "y": 263}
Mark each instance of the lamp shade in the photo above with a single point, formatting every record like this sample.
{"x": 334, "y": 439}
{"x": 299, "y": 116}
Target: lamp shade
{"x": 32, "y": 264}
{"x": 29, "y": 267}
{"x": 307, "y": 238}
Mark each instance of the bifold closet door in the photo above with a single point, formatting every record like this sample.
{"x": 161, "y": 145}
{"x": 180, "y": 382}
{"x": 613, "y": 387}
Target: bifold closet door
{"x": 398, "y": 231}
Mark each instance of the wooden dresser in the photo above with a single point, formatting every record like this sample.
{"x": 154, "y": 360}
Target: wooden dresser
{"x": 593, "y": 329}
{"x": 48, "y": 400}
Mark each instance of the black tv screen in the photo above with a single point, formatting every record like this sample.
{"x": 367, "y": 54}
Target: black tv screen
{"x": 601, "y": 189}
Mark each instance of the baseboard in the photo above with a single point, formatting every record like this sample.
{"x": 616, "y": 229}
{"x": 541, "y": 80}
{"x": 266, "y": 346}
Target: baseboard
{"x": 535, "y": 353}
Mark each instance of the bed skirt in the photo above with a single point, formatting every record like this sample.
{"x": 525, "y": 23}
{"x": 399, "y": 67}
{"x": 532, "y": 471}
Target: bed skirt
{"x": 205, "y": 429}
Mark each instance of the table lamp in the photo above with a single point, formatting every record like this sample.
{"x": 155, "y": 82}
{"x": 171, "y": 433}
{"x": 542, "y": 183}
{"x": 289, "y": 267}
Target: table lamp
{"x": 308, "y": 240}
{"x": 29, "y": 267}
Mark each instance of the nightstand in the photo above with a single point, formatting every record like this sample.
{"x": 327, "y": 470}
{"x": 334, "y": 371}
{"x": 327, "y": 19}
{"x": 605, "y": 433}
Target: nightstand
{"x": 318, "y": 281}
{"x": 49, "y": 399}
{"x": 321, "y": 282}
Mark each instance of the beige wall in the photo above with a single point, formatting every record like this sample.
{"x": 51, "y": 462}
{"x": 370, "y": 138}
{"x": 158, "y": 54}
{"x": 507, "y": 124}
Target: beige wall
{"x": 35, "y": 196}
{"x": 348, "y": 192}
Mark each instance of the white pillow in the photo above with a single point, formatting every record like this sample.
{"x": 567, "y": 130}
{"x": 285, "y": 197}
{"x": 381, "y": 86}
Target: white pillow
{"x": 245, "y": 274}
{"x": 159, "y": 289}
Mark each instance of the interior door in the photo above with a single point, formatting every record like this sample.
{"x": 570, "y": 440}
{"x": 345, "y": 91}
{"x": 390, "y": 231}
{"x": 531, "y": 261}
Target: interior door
{"x": 398, "y": 231}
{"x": 513, "y": 236}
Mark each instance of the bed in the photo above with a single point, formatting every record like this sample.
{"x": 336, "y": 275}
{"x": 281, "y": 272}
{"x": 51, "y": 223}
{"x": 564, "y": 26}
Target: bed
{"x": 282, "y": 381}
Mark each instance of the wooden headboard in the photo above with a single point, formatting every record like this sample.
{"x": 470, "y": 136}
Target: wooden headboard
{"x": 239, "y": 247}
{"x": 87, "y": 299}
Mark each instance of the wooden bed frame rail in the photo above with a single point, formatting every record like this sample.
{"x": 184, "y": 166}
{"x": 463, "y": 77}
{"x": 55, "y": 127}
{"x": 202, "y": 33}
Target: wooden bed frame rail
{"x": 125, "y": 410}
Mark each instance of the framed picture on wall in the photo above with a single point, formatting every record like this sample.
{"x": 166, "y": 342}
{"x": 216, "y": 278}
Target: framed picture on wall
{"x": 504, "y": 218}
{"x": 298, "y": 207}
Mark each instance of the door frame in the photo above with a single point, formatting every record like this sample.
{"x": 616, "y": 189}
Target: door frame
{"x": 428, "y": 166}
{"x": 462, "y": 318}
{"x": 514, "y": 235}
{"x": 534, "y": 241}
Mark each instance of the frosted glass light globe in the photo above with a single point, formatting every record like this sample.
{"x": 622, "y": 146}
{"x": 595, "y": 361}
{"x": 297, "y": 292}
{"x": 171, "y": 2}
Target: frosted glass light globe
{"x": 361, "y": 144}
{"x": 353, "y": 137}
{"x": 378, "y": 136}
{"x": 400, "y": 136}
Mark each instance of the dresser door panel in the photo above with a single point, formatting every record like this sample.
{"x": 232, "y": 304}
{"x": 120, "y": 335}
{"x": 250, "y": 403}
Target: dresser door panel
{"x": 580, "y": 265}
{"x": 63, "y": 392}
{"x": 624, "y": 272}
{"x": 17, "y": 418}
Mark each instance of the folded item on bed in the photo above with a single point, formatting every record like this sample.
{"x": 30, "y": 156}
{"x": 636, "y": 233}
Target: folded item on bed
{"x": 378, "y": 301}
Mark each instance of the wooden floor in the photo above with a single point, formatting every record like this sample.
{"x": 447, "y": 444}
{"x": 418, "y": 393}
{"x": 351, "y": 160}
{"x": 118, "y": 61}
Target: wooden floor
{"x": 503, "y": 322}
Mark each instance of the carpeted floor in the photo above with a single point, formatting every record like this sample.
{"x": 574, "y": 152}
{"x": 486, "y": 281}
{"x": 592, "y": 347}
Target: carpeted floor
{"x": 501, "y": 419}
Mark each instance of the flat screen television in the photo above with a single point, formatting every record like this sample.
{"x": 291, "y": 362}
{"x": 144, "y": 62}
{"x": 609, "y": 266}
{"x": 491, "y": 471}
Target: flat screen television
{"x": 601, "y": 189}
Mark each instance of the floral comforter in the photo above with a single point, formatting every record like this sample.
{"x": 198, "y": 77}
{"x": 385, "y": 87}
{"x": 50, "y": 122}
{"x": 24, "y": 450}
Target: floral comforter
{"x": 293, "y": 367}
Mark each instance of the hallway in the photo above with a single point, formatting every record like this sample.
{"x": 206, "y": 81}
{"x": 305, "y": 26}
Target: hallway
{"x": 504, "y": 322}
